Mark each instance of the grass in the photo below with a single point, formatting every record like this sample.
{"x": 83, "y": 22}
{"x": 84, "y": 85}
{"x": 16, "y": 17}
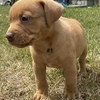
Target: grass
{"x": 16, "y": 72}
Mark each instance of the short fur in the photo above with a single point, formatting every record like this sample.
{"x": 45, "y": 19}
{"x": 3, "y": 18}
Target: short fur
{"x": 54, "y": 41}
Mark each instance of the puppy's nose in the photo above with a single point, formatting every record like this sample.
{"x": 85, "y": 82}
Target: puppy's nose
{"x": 10, "y": 37}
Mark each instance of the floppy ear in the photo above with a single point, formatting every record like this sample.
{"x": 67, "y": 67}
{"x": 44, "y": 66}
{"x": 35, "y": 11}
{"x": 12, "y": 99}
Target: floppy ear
{"x": 52, "y": 11}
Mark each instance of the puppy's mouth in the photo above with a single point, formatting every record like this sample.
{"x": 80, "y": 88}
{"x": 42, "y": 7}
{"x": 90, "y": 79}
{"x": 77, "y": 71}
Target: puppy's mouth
{"x": 20, "y": 45}
{"x": 20, "y": 41}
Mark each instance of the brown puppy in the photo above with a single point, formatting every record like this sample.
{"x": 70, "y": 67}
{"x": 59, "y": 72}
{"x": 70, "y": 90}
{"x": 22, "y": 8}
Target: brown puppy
{"x": 54, "y": 41}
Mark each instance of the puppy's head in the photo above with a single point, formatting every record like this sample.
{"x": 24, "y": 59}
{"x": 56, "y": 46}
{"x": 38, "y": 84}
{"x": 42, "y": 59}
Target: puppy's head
{"x": 30, "y": 19}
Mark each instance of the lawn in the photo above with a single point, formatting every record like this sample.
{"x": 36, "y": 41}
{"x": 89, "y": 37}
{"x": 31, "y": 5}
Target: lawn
{"x": 16, "y": 72}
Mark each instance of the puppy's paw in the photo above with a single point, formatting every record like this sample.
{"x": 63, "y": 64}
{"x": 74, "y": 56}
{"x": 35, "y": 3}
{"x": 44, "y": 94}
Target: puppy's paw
{"x": 71, "y": 96}
{"x": 39, "y": 96}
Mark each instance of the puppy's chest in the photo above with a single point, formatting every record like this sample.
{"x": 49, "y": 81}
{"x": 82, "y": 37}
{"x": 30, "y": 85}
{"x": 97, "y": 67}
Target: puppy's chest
{"x": 51, "y": 58}
{"x": 50, "y": 54}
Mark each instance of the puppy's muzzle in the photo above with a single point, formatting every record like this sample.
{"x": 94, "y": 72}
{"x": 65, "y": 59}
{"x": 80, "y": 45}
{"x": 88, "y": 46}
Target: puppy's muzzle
{"x": 10, "y": 37}
{"x": 18, "y": 39}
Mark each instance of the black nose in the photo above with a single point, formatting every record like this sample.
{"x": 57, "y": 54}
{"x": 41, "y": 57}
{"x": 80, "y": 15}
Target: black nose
{"x": 10, "y": 37}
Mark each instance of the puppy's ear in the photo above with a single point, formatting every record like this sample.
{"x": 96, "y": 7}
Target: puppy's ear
{"x": 52, "y": 11}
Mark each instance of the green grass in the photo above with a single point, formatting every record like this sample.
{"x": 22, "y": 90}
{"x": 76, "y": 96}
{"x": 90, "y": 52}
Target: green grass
{"x": 16, "y": 72}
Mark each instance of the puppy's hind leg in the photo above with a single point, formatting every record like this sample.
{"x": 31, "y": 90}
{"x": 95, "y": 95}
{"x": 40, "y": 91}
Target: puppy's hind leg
{"x": 82, "y": 62}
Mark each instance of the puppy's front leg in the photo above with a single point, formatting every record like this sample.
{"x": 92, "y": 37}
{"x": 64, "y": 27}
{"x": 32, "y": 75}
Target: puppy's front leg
{"x": 41, "y": 83}
{"x": 71, "y": 79}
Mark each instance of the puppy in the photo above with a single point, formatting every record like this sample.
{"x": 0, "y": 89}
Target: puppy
{"x": 54, "y": 41}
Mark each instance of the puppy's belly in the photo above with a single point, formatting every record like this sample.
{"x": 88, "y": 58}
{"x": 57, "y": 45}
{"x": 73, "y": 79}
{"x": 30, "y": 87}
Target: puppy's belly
{"x": 53, "y": 65}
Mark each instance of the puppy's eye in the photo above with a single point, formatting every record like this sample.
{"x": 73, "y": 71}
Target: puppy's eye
{"x": 24, "y": 19}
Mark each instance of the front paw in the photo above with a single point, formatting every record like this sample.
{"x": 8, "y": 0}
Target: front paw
{"x": 71, "y": 96}
{"x": 40, "y": 96}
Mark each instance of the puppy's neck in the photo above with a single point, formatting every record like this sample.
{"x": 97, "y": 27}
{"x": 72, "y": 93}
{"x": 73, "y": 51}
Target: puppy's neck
{"x": 45, "y": 44}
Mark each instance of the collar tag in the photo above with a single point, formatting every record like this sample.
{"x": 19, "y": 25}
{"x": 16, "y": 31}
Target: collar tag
{"x": 49, "y": 50}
